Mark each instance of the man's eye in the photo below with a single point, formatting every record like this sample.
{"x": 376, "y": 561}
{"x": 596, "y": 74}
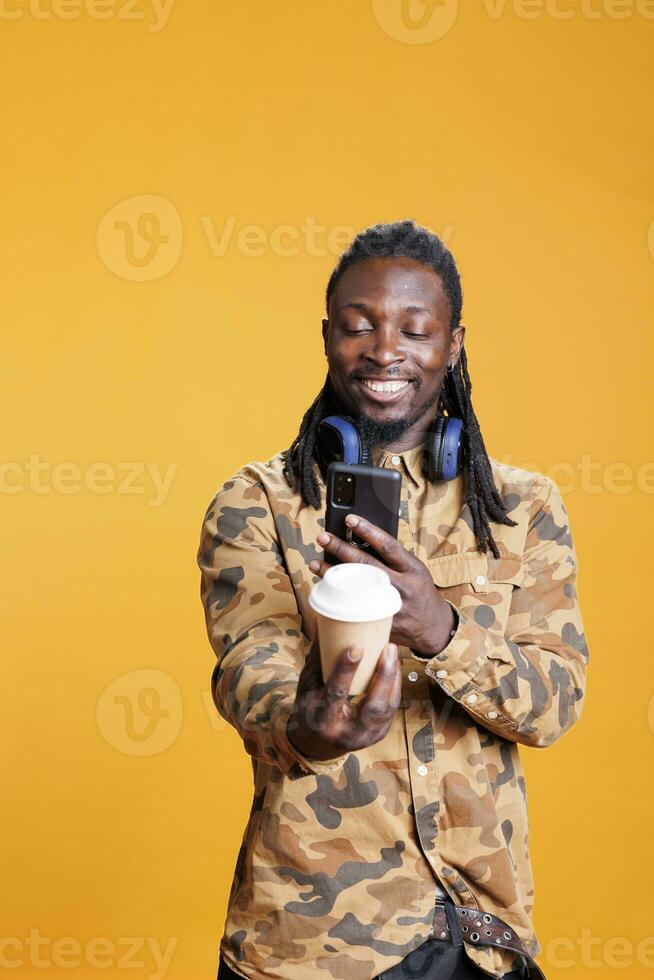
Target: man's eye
{"x": 354, "y": 333}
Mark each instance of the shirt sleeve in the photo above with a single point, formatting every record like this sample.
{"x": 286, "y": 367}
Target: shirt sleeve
{"x": 253, "y": 624}
{"x": 527, "y": 685}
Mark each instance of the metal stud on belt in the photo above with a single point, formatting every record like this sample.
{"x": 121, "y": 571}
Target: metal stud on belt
{"x": 471, "y": 927}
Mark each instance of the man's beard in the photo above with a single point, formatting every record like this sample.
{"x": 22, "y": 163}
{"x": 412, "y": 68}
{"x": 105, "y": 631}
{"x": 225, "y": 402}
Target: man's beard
{"x": 373, "y": 433}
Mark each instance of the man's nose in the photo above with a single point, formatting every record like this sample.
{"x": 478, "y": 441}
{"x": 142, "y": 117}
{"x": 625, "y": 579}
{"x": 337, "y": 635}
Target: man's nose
{"x": 385, "y": 347}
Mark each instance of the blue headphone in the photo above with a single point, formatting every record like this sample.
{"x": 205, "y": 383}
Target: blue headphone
{"x": 337, "y": 439}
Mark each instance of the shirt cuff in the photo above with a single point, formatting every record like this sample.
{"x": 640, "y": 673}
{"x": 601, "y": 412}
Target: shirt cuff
{"x": 465, "y": 663}
{"x": 285, "y": 750}
{"x": 430, "y": 656}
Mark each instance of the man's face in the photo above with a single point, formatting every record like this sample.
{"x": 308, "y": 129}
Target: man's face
{"x": 389, "y": 320}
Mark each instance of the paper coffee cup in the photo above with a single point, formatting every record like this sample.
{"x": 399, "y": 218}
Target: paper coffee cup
{"x": 354, "y": 605}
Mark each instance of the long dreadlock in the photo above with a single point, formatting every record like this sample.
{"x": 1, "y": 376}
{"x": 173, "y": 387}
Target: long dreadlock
{"x": 407, "y": 240}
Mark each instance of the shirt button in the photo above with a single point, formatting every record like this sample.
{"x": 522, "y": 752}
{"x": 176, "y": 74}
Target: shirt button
{"x": 480, "y": 579}
{"x": 441, "y": 673}
{"x": 422, "y": 770}
{"x": 413, "y": 676}
{"x": 395, "y": 460}
{"x": 492, "y": 714}
{"x": 471, "y": 698}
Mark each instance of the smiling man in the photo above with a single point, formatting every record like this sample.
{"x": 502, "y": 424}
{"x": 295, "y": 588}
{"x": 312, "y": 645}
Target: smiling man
{"x": 389, "y": 837}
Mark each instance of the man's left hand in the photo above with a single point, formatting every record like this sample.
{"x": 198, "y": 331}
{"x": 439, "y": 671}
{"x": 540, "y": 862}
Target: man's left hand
{"x": 425, "y": 620}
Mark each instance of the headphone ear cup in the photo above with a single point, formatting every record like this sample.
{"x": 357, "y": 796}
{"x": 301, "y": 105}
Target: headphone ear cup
{"x": 435, "y": 448}
{"x": 445, "y": 449}
{"x": 452, "y": 450}
{"x": 337, "y": 439}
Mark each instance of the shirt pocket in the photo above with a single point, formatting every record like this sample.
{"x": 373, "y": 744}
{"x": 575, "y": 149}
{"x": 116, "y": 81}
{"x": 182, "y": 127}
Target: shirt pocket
{"x": 479, "y": 585}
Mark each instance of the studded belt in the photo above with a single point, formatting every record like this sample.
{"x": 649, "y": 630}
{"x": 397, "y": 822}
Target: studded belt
{"x": 458, "y": 923}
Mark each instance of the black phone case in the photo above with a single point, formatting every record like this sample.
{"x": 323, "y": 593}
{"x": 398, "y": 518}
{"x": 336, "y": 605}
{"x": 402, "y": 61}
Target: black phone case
{"x": 377, "y": 498}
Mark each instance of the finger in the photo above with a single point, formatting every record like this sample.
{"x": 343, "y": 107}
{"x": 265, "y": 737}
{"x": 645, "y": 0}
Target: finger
{"x": 319, "y": 567}
{"x": 396, "y": 696}
{"x": 346, "y": 552}
{"x": 337, "y": 686}
{"x": 311, "y": 674}
{"x": 377, "y": 706}
{"x": 387, "y": 547}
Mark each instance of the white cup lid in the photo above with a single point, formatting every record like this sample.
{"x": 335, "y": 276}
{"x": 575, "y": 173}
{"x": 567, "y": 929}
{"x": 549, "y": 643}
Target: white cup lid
{"x": 355, "y": 593}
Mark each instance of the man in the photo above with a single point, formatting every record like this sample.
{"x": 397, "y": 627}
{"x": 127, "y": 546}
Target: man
{"x": 389, "y": 837}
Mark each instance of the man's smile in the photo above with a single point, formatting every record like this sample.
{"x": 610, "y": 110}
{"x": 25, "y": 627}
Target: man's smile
{"x": 383, "y": 392}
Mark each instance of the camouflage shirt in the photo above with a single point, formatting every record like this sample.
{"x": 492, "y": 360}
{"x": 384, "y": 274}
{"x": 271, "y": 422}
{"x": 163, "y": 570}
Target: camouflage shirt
{"x": 341, "y": 861}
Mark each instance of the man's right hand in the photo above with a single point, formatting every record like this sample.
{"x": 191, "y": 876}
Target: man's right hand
{"x": 324, "y": 724}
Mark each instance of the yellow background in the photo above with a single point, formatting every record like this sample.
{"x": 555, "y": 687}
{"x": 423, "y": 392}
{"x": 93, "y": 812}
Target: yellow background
{"x": 521, "y": 135}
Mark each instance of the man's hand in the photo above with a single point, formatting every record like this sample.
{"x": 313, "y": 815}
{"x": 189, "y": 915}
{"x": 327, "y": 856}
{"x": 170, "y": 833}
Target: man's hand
{"x": 425, "y": 620}
{"x": 324, "y": 724}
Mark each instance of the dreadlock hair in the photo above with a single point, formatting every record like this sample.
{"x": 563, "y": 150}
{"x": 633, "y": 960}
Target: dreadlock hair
{"x": 405, "y": 239}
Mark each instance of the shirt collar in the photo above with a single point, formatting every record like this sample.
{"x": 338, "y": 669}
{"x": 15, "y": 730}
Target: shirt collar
{"x": 411, "y": 460}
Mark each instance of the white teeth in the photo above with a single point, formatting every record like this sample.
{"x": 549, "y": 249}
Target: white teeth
{"x": 387, "y": 386}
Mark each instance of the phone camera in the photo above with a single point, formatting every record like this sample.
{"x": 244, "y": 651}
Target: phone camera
{"x": 344, "y": 490}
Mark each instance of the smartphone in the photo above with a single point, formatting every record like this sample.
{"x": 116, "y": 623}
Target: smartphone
{"x": 372, "y": 492}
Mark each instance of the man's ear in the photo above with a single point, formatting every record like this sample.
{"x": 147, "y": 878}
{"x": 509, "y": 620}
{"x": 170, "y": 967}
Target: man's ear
{"x": 456, "y": 343}
{"x": 325, "y": 331}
